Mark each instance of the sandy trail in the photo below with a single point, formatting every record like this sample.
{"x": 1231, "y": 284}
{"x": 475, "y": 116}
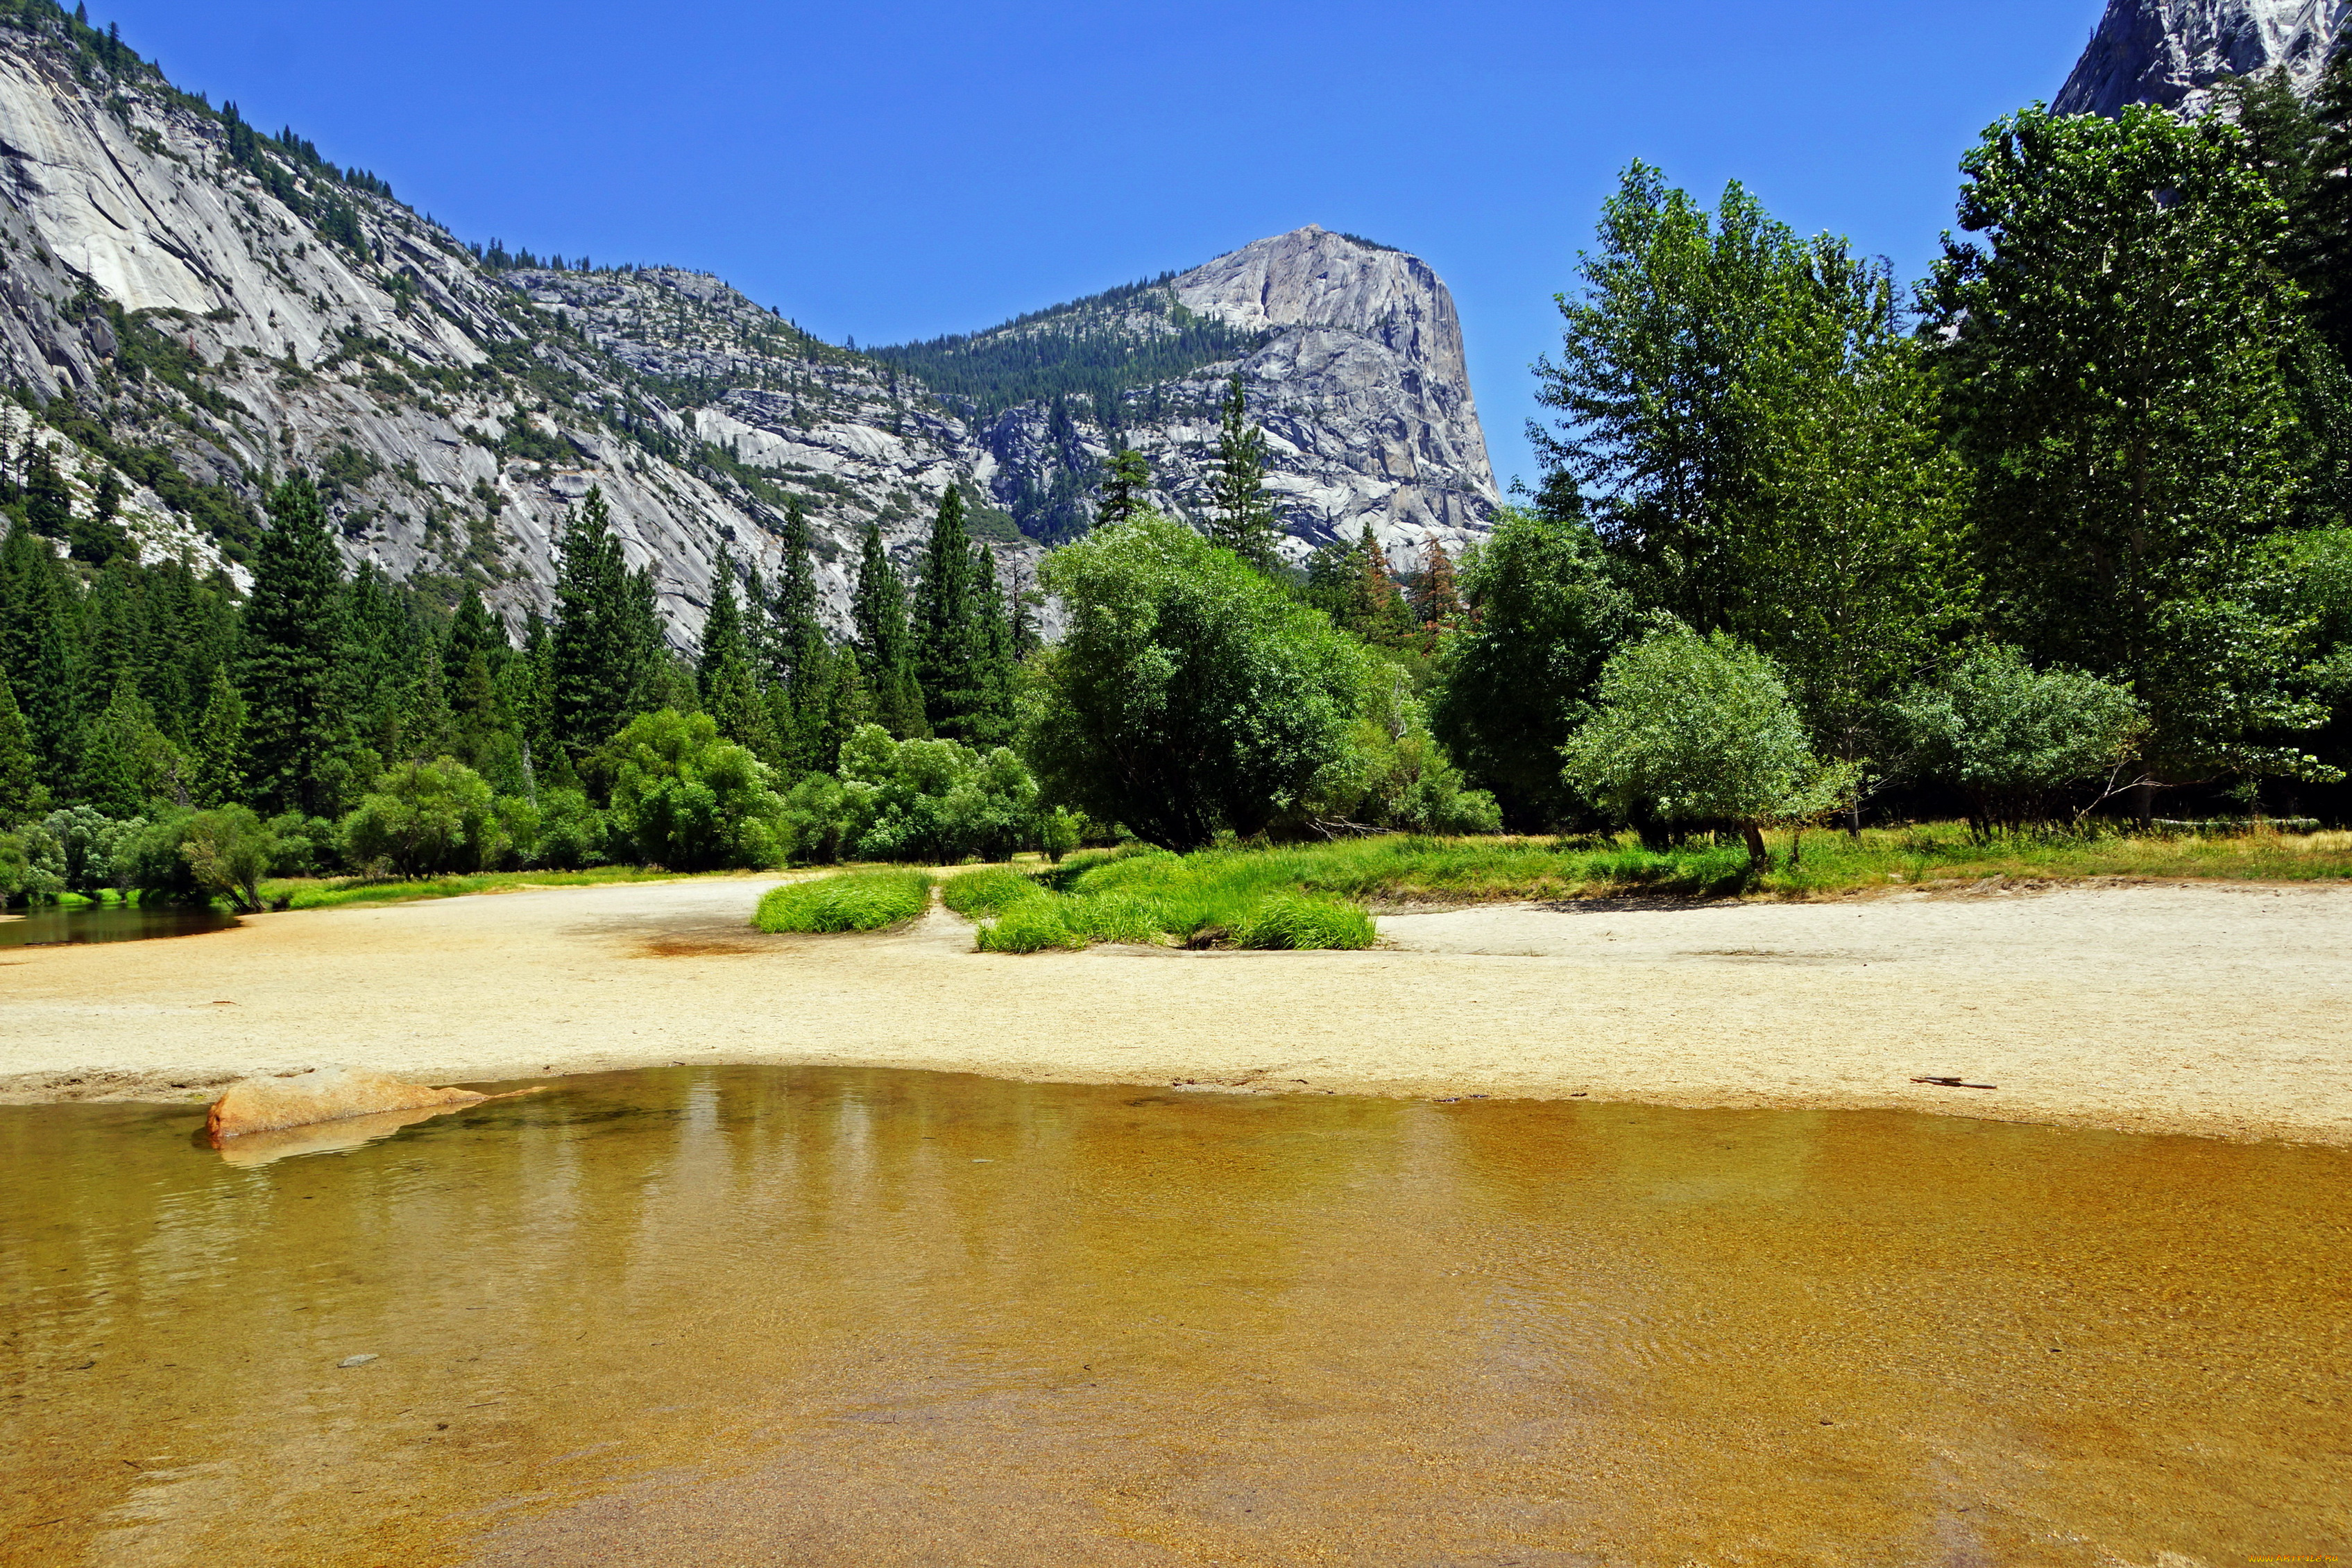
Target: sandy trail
{"x": 2220, "y": 1010}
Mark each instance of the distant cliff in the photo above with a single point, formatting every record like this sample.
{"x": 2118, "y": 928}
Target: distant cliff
{"x": 2171, "y": 52}
{"x": 217, "y": 304}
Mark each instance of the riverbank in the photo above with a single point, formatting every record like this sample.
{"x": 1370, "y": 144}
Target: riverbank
{"x": 2206, "y": 1009}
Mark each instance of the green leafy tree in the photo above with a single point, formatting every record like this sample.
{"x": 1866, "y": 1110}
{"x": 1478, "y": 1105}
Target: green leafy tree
{"x": 1191, "y": 694}
{"x": 228, "y": 852}
{"x": 685, "y": 799}
{"x": 1694, "y": 729}
{"x": 2118, "y": 340}
{"x": 884, "y": 648}
{"x": 423, "y": 818}
{"x": 1241, "y": 519}
{"x": 1544, "y": 615}
{"x": 289, "y": 678}
{"x": 2012, "y": 738}
{"x": 920, "y": 800}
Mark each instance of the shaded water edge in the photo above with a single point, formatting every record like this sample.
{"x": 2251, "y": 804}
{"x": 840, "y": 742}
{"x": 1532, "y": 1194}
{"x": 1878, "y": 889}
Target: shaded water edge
{"x": 878, "y": 1316}
{"x": 51, "y": 926}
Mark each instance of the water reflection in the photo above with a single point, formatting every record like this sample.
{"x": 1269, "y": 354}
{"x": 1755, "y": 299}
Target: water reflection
{"x": 51, "y": 926}
{"x": 875, "y": 1317}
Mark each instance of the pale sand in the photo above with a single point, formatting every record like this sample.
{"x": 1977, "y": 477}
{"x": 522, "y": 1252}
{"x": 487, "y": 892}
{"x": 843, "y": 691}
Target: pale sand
{"x": 2212, "y": 1009}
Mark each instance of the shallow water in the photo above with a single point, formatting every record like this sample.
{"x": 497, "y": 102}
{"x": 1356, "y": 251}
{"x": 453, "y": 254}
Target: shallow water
{"x": 108, "y": 923}
{"x": 868, "y": 1317}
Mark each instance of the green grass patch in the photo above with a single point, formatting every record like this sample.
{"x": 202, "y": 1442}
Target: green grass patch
{"x": 314, "y": 893}
{"x": 1294, "y": 920}
{"x": 1032, "y": 925}
{"x": 985, "y": 892}
{"x": 851, "y": 900}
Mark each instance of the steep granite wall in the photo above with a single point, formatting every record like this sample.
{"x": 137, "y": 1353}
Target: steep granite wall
{"x": 2171, "y": 52}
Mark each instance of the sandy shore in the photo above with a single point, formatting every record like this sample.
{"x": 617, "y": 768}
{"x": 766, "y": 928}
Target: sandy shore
{"x": 2212, "y": 1009}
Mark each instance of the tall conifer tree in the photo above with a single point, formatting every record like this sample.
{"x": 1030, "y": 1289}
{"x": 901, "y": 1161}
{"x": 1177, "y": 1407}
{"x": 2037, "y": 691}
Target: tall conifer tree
{"x": 290, "y": 667}
{"x": 1242, "y": 519}
{"x": 949, "y": 639}
{"x": 886, "y": 658}
{"x": 220, "y": 746}
{"x": 1126, "y": 483}
{"x": 21, "y": 795}
{"x": 591, "y": 653}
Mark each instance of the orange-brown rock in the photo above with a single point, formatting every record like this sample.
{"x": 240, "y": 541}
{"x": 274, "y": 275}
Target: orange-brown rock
{"x": 266, "y": 1104}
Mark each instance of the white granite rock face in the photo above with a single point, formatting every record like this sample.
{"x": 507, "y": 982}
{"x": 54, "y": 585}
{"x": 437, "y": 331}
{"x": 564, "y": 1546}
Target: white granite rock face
{"x": 2171, "y": 52}
{"x": 458, "y": 415}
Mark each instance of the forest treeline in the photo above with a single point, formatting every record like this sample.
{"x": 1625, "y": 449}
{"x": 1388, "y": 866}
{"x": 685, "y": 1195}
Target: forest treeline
{"x": 2058, "y": 535}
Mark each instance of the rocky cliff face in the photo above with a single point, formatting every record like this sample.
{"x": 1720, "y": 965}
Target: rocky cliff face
{"x": 217, "y": 306}
{"x": 1352, "y": 359}
{"x": 2171, "y": 52}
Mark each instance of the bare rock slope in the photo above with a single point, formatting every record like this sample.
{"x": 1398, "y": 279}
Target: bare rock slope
{"x": 216, "y": 305}
{"x": 2171, "y": 52}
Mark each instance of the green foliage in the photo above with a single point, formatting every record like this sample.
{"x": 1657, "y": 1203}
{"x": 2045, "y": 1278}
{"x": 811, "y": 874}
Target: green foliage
{"x": 2012, "y": 738}
{"x": 229, "y": 851}
{"x": 1240, "y": 518}
{"x": 599, "y": 656}
{"x": 1035, "y": 925}
{"x": 1126, "y": 488}
{"x": 289, "y": 676}
{"x": 1292, "y": 921}
{"x": 885, "y": 647}
{"x": 2119, "y": 339}
{"x": 1089, "y": 349}
{"x": 932, "y": 800}
{"x": 21, "y": 795}
{"x": 1393, "y": 773}
{"x": 1191, "y": 694}
{"x": 1059, "y": 831}
{"x": 425, "y": 818}
{"x": 683, "y": 798}
{"x": 572, "y": 833}
{"x": 855, "y": 900}
{"x": 987, "y": 891}
{"x": 961, "y": 645}
{"x": 1518, "y": 677}
{"x": 1692, "y": 729}
{"x": 79, "y": 849}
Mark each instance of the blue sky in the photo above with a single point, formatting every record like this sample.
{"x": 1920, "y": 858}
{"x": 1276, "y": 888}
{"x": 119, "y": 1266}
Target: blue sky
{"x": 899, "y": 168}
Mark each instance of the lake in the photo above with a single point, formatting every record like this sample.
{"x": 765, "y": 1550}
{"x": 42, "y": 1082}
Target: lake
{"x": 738, "y": 1315}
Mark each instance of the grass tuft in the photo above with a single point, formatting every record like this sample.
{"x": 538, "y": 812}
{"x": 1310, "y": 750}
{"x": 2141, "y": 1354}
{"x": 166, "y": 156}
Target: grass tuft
{"x": 855, "y": 900}
{"x": 986, "y": 891}
{"x": 1295, "y": 921}
{"x": 1032, "y": 925}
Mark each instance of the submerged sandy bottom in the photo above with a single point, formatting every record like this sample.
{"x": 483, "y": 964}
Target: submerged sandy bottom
{"x": 825, "y": 1316}
{"x": 2199, "y": 1008}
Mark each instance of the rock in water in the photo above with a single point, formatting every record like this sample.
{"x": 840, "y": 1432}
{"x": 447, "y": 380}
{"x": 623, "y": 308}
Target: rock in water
{"x": 2171, "y": 52}
{"x": 267, "y": 1104}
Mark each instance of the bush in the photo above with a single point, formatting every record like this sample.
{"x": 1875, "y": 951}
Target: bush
{"x": 1294, "y": 920}
{"x": 1695, "y": 729}
{"x": 1032, "y": 925}
{"x": 932, "y": 800}
{"x": 2011, "y": 739}
{"x": 570, "y": 831}
{"x": 683, "y": 798}
{"x": 1059, "y": 831}
{"x": 229, "y": 851}
{"x": 82, "y": 851}
{"x": 854, "y": 900}
{"x": 22, "y": 881}
{"x": 305, "y": 845}
{"x": 421, "y": 819}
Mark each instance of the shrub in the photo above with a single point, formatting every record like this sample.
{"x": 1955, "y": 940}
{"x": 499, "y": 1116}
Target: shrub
{"x": 1032, "y": 925}
{"x": 854, "y": 900}
{"x": 683, "y": 798}
{"x": 1698, "y": 729}
{"x": 22, "y": 881}
{"x": 932, "y": 800}
{"x": 570, "y": 831}
{"x": 81, "y": 850}
{"x": 1060, "y": 831}
{"x": 229, "y": 851}
{"x": 422, "y": 818}
{"x": 2011, "y": 738}
{"x": 1294, "y": 920}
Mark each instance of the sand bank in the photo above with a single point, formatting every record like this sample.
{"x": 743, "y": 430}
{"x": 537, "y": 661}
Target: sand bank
{"x": 2221, "y": 1010}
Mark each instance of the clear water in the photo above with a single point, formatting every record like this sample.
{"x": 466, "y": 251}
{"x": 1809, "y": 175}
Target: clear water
{"x": 49, "y": 925}
{"x": 832, "y": 1316}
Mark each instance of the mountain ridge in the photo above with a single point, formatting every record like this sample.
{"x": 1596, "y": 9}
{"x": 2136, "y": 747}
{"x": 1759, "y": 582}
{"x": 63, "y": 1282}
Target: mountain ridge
{"x": 2171, "y": 53}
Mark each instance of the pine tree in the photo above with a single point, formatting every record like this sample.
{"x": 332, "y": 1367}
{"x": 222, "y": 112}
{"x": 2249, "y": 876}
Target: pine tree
{"x": 1439, "y": 602}
{"x": 722, "y": 628}
{"x": 1126, "y": 484}
{"x": 220, "y": 746}
{"x": 39, "y": 621}
{"x": 48, "y": 509}
{"x": 1242, "y": 519}
{"x": 996, "y": 671}
{"x": 886, "y": 663}
{"x": 21, "y": 795}
{"x": 949, "y": 640}
{"x": 289, "y": 674}
{"x": 593, "y": 656}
